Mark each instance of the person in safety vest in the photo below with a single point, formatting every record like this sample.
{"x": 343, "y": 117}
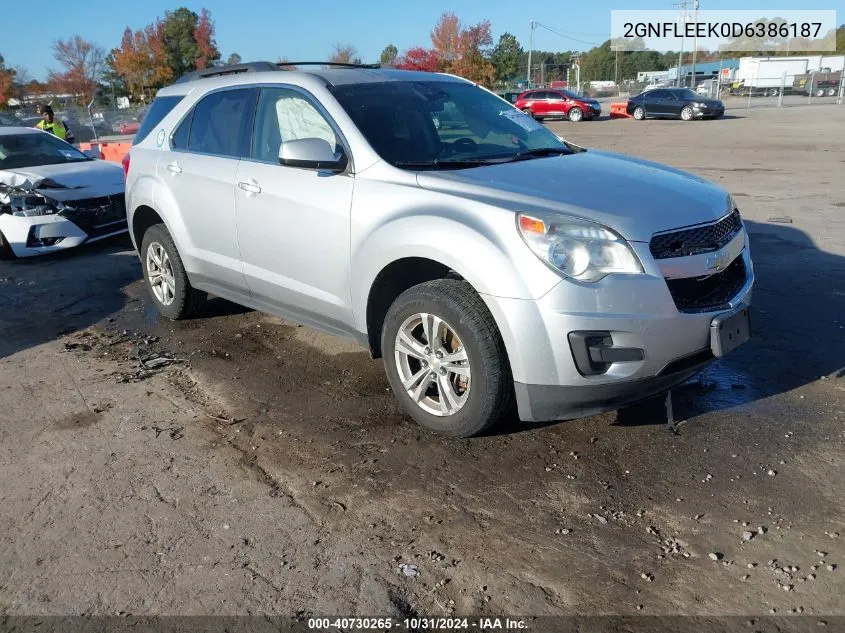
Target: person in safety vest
{"x": 54, "y": 127}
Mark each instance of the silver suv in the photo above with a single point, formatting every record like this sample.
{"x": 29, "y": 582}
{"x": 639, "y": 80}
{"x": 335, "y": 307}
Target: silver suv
{"x": 486, "y": 260}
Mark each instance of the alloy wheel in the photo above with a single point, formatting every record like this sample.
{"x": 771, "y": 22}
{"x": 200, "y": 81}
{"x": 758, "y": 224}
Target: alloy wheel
{"x": 433, "y": 364}
{"x": 160, "y": 274}
{"x": 686, "y": 114}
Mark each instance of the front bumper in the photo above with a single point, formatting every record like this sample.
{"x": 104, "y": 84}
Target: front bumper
{"x": 701, "y": 113}
{"x": 38, "y": 235}
{"x": 636, "y": 310}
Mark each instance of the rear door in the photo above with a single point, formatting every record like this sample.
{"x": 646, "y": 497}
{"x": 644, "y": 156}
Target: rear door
{"x": 199, "y": 177}
{"x": 655, "y": 102}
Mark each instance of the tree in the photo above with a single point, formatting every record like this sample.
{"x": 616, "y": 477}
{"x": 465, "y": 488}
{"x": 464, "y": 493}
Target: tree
{"x": 505, "y": 57}
{"x": 446, "y": 37}
{"x": 188, "y": 40}
{"x": 7, "y": 77}
{"x": 233, "y": 59}
{"x": 141, "y": 61}
{"x": 473, "y": 52}
{"x": 83, "y": 64}
{"x": 344, "y": 54}
{"x": 207, "y": 52}
{"x": 388, "y": 55}
{"x": 419, "y": 58}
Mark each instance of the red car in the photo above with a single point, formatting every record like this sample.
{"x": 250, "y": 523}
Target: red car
{"x": 542, "y": 103}
{"x": 128, "y": 127}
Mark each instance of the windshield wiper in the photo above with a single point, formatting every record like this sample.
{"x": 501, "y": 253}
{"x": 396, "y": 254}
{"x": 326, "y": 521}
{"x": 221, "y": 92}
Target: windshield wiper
{"x": 543, "y": 151}
{"x": 449, "y": 164}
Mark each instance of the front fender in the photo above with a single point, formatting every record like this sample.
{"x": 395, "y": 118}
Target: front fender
{"x": 490, "y": 256}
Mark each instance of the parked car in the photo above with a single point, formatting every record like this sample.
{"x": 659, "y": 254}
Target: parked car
{"x": 54, "y": 197}
{"x": 9, "y": 120}
{"x": 494, "y": 265}
{"x": 545, "y": 103}
{"x": 674, "y": 103}
{"x": 127, "y": 127}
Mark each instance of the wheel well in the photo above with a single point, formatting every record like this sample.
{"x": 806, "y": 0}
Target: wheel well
{"x": 391, "y": 282}
{"x": 143, "y": 218}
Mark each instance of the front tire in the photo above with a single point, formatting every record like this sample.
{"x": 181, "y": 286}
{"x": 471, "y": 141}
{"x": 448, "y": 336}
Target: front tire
{"x": 575, "y": 114}
{"x": 686, "y": 113}
{"x": 167, "y": 281}
{"x": 6, "y": 251}
{"x": 445, "y": 358}
{"x": 639, "y": 113}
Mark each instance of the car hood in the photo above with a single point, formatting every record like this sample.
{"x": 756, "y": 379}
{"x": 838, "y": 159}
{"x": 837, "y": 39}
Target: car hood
{"x": 635, "y": 197}
{"x": 77, "y": 181}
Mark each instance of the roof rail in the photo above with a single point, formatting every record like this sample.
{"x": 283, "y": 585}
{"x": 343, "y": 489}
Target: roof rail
{"x": 234, "y": 69}
{"x": 338, "y": 64}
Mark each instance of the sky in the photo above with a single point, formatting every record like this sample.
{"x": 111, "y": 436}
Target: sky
{"x": 306, "y": 31}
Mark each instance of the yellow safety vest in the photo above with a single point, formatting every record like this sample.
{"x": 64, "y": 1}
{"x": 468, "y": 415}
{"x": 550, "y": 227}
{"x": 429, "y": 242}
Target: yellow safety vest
{"x": 56, "y": 128}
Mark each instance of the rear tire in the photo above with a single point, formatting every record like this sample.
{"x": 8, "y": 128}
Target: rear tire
{"x": 528, "y": 112}
{"x": 482, "y": 387}
{"x": 831, "y": 92}
{"x": 575, "y": 114}
{"x": 172, "y": 293}
{"x": 639, "y": 113}
{"x": 6, "y": 251}
{"x": 820, "y": 92}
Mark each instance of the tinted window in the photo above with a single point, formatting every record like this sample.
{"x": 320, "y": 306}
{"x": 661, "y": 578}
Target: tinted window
{"x": 179, "y": 138}
{"x": 286, "y": 115}
{"x": 434, "y": 123}
{"x": 685, "y": 93}
{"x": 160, "y": 108}
{"x": 31, "y": 150}
{"x": 218, "y": 123}
{"x": 657, "y": 94}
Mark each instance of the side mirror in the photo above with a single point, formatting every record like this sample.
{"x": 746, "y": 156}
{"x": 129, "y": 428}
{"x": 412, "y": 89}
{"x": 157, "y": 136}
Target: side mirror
{"x": 312, "y": 153}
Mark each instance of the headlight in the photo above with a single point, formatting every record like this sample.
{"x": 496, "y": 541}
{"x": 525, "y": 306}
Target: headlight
{"x": 577, "y": 248}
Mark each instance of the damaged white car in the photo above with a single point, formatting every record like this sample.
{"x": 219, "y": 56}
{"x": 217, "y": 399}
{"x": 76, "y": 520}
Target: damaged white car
{"x": 54, "y": 197}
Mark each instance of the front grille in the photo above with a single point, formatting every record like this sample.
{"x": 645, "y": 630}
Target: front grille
{"x": 698, "y": 240}
{"x": 709, "y": 292}
{"x": 97, "y": 216}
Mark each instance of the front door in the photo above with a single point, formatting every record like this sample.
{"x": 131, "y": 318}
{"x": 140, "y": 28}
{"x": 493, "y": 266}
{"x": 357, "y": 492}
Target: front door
{"x": 293, "y": 223}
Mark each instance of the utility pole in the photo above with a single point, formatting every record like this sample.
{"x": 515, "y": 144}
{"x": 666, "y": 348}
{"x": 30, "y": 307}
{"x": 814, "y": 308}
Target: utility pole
{"x": 616, "y": 47}
{"x": 683, "y": 5}
{"x": 694, "y": 43}
{"x": 530, "y": 50}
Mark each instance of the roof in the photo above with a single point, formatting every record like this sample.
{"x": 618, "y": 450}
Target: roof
{"x": 263, "y": 72}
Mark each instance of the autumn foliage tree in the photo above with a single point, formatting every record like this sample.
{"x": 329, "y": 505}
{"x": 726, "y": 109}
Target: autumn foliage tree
{"x": 446, "y": 37}
{"x": 419, "y": 58}
{"x": 7, "y": 78}
{"x": 204, "y": 37}
{"x": 141, "y": 59}
{"x": 82, "y": 62}
{"x": 344, "y": 54}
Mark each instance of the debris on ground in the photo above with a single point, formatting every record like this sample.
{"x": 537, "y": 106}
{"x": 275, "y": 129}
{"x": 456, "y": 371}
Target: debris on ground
{"x": 409, "y": 571}
{"x": 716, "y": 556}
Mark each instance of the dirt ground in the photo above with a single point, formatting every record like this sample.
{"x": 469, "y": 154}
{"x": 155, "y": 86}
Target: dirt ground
{"x": 267, "y": 470}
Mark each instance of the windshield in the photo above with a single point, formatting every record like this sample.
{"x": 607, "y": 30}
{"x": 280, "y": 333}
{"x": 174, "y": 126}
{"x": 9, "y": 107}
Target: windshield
{"x": 686, "y": 93}
{"x": 33, "y": 149}
{"x": 571, "y": 95}
{"x": 443, "y": 124}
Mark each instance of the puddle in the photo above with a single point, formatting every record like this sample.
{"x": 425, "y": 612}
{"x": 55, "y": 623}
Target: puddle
{"x": 720, "y": 386}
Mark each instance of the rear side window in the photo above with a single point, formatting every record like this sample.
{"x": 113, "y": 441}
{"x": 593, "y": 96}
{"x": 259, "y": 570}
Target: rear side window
{"x": 219, "y": 121}
{"x": 160, "y": 108}
{"x": 179, "y": 138}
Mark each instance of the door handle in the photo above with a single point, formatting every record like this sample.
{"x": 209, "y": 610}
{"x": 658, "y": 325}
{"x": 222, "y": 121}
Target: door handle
{"x": 174, "y": 168}
{"x": 249, "y": 187}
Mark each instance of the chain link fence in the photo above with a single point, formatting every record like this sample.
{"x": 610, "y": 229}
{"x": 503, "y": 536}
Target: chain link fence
{"x": 98, "y": 124}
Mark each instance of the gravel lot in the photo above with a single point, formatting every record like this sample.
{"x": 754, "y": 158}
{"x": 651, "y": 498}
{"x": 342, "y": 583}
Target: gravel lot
{"x": 268, "y": 471}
